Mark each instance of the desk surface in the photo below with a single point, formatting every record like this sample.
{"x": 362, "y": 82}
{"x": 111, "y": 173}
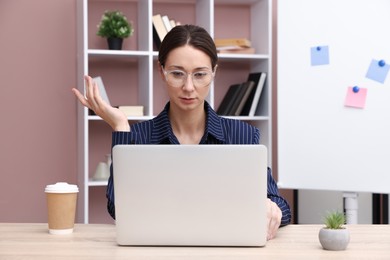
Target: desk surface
{"x": 32, "y": 241}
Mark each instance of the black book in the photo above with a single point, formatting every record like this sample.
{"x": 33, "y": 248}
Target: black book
{"x": 156, "y": 38}
{"x": 242, "y": 97}
{"x": 255, "y": 77}
{"x": 228, "y": 100}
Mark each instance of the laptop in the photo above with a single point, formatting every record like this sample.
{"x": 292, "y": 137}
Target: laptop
{"x": 190, "y": 195}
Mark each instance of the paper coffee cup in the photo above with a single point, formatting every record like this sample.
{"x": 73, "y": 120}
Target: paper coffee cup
{"x": 61, "y": 207}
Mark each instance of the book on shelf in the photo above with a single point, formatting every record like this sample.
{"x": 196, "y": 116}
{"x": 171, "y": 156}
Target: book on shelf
{"x": 228, "y": 100}
{"x": 132, "y": 110}
{"x": 162, "y": 24}
{"x": 223, "y": 42}
{"x": 235, "y": 98}
{"x": 159, "y": 30}
{"x": 172, "y": 22}
{"x": 253, "y": 100}
{"x": 102, "y": 89}
{"x": 239, "y": 101}
{"x": 242, "y": 97}
{"x": 237, "y": 50}
{"x": 167, "y": 22}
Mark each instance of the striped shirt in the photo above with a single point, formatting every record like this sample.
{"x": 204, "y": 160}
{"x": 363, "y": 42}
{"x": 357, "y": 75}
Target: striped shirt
{"x": 218, "y": 130}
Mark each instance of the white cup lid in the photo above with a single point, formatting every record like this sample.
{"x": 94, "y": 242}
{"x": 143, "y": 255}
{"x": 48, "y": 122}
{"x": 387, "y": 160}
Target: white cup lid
{"x": 61, "y": 187}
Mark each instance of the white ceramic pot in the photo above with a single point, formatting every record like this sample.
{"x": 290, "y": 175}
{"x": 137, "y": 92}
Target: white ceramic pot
{"x": 334, "y": 239}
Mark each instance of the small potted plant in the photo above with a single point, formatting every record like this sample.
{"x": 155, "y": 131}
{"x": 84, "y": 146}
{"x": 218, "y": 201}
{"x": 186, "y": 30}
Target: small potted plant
{"x": 334, "y": 236}
{"x": 115, "y": 27}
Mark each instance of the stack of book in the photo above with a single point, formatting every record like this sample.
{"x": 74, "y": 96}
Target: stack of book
{"x": 234, "y": 45}
{"x": 161, "y": 26}
{"x": 242, "y": 99}
{"x": 132, "y": 110}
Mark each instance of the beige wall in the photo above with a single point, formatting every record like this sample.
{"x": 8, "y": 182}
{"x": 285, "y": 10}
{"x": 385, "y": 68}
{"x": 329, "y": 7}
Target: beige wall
{"x": 38, "y": 111}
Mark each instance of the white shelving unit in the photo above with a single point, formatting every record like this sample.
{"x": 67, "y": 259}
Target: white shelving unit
{"x": 130, "y": 75}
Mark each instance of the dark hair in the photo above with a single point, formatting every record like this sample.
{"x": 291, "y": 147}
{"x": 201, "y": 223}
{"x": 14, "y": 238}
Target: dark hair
{"x": 192, "y": 35}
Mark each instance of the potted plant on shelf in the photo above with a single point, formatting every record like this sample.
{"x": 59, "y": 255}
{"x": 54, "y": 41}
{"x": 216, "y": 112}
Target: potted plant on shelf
{"x": 115, "y": 27}
{"x": 334, "y": 236}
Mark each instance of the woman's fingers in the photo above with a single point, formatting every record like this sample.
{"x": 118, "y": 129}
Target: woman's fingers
{"x": 80, "y": 97}
{"x": 96, "y": 103}
{"x": 91, "y": 92}
{"x": 274, "y": 216}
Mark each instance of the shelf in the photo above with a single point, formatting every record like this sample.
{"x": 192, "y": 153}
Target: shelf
{"x": 130, "y": 118}
{"x": 116, "y": 53}
{"x": 229, "y": 56}
{"x": 96, "y": 183}
{"x": 131, "y": 75}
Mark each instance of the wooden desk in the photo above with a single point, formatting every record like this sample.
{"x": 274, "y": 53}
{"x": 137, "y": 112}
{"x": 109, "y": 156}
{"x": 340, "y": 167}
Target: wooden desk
{"x": 32, "y": 241}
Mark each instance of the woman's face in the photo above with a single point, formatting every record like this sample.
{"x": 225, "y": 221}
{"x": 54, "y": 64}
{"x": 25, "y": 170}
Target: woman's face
{"x": 188, "y": 75}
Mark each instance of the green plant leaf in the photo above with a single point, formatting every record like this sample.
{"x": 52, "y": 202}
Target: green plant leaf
{"x": 334, "y": 220}
{"x": 114, "y": 24}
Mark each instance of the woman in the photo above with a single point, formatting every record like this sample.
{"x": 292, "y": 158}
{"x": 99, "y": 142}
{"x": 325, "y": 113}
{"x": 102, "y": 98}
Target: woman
{"x": 187, "y": 64}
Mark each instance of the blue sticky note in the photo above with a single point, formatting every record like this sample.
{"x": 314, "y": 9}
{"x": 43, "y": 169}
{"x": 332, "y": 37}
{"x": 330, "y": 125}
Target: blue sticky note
{"x": 378, "y": 70}
{"x": 319, "y": 55}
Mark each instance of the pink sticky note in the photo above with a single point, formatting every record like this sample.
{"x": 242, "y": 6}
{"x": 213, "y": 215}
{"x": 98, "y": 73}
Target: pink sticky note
{"x": 356, "y": 99}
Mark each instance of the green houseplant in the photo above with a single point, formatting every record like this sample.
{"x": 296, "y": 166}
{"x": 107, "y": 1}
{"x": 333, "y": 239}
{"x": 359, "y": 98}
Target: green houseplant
{"x": 115, "y": 27}
{"x": 334, "y": 236}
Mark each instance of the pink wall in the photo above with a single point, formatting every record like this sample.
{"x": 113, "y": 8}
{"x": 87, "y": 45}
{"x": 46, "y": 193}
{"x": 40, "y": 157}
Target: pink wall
{"x": 38, "y": 110}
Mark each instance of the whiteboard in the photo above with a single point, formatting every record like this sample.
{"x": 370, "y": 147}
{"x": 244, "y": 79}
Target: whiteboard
{"x": 323, "y": 144}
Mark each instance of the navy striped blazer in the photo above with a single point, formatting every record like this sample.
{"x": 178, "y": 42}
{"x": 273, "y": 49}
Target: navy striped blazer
{"x": 219, "y": 130}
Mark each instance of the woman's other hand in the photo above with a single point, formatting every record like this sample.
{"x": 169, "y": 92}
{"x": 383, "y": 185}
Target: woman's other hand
{"x": 274, "y": 218}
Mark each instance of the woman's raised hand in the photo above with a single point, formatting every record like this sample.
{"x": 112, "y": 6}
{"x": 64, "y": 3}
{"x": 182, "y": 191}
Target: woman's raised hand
{"x": 92, "y": 100}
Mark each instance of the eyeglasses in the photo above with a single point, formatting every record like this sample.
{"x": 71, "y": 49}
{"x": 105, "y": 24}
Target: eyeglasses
{"x": 178, "y": 78}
